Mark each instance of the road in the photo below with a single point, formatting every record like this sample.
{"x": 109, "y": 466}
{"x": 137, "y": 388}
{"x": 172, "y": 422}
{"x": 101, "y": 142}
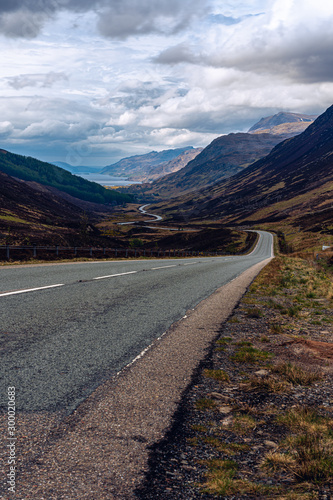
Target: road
{"x": 66, "y": 328}
{"x": 156, "y": 218}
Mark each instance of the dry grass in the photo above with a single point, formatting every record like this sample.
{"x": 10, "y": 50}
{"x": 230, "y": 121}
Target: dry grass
{"x": 307, "y": 452}
{"x": 205, "y": 404}
{"x": 297, "y": 375}
{"x": 268, "y": 384}
{"x": 219, "y": 375}
{"x": 220, "y": 480}
{"x": 249, "y": 354}
{"x": 243, "y": 424}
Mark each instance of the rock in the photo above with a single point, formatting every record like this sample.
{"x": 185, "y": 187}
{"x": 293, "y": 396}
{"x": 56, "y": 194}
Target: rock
{"x": 225, "y": 409}
{"x": 227, "y": 421}
{"x": 271, "y": 444}
{"x": 262, "y": 373}
{"x": 221, "y": 397}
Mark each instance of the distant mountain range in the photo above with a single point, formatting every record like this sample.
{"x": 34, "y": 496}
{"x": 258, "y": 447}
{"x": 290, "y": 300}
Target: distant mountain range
{"x": 294, "y": 180}
{"x": 221, "y": 159}
{"x": 152, "y": 165}
{"x": 226, "y": 156}
{"x": 218, "y": 159}
{"x": 76, "y": 170}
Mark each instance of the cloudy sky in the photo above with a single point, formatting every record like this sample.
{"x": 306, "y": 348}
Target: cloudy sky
{"x": 91, "y": 81}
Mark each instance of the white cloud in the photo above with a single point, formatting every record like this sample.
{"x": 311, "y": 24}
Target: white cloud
{"x": 36, "y": 80}
{"x": 172, "y": 73}
{"x": 6, "y": 128}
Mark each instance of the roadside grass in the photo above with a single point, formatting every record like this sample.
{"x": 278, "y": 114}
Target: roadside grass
{"x": 221, "y": 481}
{"x": 224, "y": 341}
{"x": 289, "y": 298}
{"x": 243, "y": 424}
{"x": 219, "y": 375}
{"x": 267, "y": 384}
{"x": 307, "y": 451}
{"x": 295, "y": 288}
{"x": 249, "y": 354}
{"x": 297, "y": 375}
{"x": 205, "y": 404}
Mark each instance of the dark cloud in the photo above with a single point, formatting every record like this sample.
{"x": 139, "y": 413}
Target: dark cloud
{"x": 21, "y": 24}
{"x": 36, "y": 80}
{"x": 306, "y": 57}
{"x": 300, "y": 55}
{"x": 118, "y": 19}
{"x": 47, "y": 6}
{"x": 177, "y": 54}
{"x": 124, "y": 18}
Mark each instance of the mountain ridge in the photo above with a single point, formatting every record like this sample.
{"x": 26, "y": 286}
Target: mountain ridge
{"x": 298, "y": 167}
{"x": 269, "y": 122}
{"x": 142, "y": 167}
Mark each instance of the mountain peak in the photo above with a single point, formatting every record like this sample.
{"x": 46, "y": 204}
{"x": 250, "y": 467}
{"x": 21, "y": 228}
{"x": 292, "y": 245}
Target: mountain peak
{"x": 283, "y": 117}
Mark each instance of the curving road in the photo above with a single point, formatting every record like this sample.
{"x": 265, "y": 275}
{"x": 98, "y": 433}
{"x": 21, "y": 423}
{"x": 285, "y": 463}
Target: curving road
{"x": 66, "y": 328}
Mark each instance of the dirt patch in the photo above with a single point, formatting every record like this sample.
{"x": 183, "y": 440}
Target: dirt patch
{"x": 322, "y": 350}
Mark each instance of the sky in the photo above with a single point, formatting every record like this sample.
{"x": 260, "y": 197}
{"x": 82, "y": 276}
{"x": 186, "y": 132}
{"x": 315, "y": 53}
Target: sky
{"x": 89, "y": 82}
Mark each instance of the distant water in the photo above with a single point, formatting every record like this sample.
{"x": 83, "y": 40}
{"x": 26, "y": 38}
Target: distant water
{"x": 106, "y": 180}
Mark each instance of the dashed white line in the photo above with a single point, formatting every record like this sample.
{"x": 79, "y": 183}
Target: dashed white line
{"x": 30, "y": 290}
{"x": 114, "y": 275}
{"x": 190, "y": 263}
{"x": 162, "y": 267}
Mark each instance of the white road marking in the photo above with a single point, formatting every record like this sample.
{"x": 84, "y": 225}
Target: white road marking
{"x": 190, "y": 263}
{"x": 113, "y": 275}
{"x": 30, "y": 290}
{"x": 162, "y": 267}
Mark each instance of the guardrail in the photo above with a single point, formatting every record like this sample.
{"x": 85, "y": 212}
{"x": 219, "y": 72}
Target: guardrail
{"x": 8, "y": 252}
{"x": 26, "y": 252}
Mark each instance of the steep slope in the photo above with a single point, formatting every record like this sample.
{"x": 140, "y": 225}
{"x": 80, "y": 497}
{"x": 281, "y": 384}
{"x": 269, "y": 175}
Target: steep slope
{"x": 31, "y": 169}
{"x": 221, "y": 159}
{"x": 297, "y": 176}
{"x": 34, "y": 214}
{"x": 142, "y": 167}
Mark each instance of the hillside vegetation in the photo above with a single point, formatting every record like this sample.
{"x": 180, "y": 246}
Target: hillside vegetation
{"x": 31, "y": 169}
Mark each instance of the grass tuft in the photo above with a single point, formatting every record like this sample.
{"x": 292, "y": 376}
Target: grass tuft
{"x": 219, "y": 375}
{"x": 308, "y": 449}
{"x": 205, "y": 404}
{"x": 249, "y": 354}
{"x": 296, "y": 375}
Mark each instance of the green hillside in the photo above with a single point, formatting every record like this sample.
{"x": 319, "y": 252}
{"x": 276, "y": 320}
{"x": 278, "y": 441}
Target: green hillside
{"x": 30, "y": 169}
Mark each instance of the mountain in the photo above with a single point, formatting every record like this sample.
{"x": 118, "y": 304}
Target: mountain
{"x": 272, "y": 123}
{"x": 76, "y": 170}
{"x": 173, "y": 165}
{"x": 33, "y": 170}
{"x": 294, "y": 180}
{"x": 142, "y": 167}
{"x": 221, "y": 159}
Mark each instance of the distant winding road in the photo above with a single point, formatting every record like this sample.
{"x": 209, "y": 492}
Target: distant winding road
{"x": 66, "y": 328}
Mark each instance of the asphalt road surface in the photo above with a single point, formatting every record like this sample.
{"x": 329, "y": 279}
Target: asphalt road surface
{"x": 66, "y": 328}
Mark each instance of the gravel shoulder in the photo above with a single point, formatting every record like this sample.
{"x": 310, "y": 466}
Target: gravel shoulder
{"x": 101, "y": 451}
